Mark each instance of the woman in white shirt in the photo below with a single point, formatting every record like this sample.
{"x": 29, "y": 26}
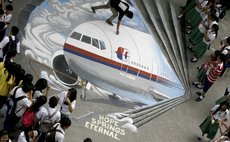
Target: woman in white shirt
{"x": 28, "y": 135}
{"x": 201, "y": 47}
{"x": 218, "y": 115}
{"x": 40, "y": 85}
{"x": 68, "y": 102}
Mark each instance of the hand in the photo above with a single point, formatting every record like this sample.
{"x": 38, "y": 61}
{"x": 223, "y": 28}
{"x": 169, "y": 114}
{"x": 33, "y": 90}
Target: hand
{"x": 48, "y": 87}
{"x": 117, "y": 32}
{"x": 35, "y": 133}
{"x": 67, "y": 100}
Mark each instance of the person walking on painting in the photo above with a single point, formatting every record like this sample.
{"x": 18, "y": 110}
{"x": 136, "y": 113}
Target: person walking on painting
{"x": 116, "y": 6}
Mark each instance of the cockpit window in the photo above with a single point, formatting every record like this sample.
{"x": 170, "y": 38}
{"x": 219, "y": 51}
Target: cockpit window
{"x": 95, "y": 42}
{"x": 76, "y": 35}
{"x": 102, "y": 44}
{"x": 86, "y": 39}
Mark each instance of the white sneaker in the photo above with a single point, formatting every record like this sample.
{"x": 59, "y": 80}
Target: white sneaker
{"x": 199, "y": 86}
{"x": 180, "y": 16}
{"x": 194, "y": 59}
{"x": 195, "y": 82}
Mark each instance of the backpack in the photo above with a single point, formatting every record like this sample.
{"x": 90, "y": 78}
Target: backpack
{"x": 11, "y": 45}
{"x": 11, "y": 103}
{"x": 47, "y": 123}
{"x": 28, "y": 118}
{"x": 51, "y": 135}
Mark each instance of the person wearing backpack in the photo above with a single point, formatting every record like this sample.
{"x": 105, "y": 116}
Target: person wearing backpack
{"x": 29, "y": 117}
{"x": 58, "y": 134}
{"x": 10, "y": 43}
{"x": 22, "y": 99}
{"x": 47, "y": 117}
{"x": 68, "y": 102}
{"x": 28, "y": 135}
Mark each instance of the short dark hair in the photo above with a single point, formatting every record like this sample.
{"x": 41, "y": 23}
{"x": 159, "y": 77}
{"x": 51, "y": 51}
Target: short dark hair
{"x": 228, "y": 40}
{"x": 9, "y": 7}
{"x": 41, "y": 84}
{"x": 28, "y": 78}
{"x": 27, "y": 87}
{"x": 73, "y": 94}
{"x": 14, "y": 30}
{"x": 88, "y": 140}
{"x": 53, "y": 101}
{"x": 129, "y": 14}
{"x": 65, "y": 122}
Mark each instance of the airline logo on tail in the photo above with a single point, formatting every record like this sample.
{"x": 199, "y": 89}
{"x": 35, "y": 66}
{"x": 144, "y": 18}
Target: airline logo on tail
{"x": 122, "y": 53}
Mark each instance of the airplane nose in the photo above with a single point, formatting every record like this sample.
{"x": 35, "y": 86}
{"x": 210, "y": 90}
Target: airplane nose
{"x": 62, "y": 70}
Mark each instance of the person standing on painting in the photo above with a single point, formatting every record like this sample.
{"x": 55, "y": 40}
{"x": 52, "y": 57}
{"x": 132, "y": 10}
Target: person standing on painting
{"x": 219, "y": 114}
{"x": 116, "y": 6}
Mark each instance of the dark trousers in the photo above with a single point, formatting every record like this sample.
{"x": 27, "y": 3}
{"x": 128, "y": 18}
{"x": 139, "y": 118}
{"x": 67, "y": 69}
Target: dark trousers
{"x": 2, "y": 100}
{"x": 226, "y": 92}
{"x": 10, "y": 122}
{"x": 207, "y": 85}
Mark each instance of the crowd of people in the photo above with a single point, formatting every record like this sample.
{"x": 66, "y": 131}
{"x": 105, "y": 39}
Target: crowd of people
{"x": 202, "y": 25}
{"x": 22, "y": 103}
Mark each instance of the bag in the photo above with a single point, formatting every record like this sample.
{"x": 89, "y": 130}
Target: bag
{"x": 51, "y": 135}
{"x": 12, "y": 102}
{"x": 47, "y": 124}
{"x": 11, "y": 45}
{"x": 28, "y": 118}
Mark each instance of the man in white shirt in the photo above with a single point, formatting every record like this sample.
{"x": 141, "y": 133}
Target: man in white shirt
{"x": 64, "y": 124}
{"x": 54, "y": 113}
{"x": 14, "y": 117}
{"x": 6, "y": 40}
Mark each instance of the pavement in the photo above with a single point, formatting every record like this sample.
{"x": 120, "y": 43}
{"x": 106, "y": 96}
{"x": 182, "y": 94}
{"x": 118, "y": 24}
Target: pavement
{"x": 179, "y": 124}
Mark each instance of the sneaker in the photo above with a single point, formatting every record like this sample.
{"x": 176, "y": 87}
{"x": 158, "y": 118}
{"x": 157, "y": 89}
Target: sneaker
{"x": 194, "y": 59}
{"x": 109, "y": 22}
{"x": 93, "y": 10}
{"x": 199, "y": 86}
{"x": 200, "y": 98}
{"x": 195, "y": 82}
{"x": 180, "y": 16}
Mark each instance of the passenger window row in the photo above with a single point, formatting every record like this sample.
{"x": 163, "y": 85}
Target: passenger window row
{"x": 86, "y": 39}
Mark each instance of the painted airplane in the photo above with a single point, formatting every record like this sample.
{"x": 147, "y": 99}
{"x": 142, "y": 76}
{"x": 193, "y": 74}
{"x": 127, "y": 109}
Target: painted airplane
{"x": 130, "y": 65}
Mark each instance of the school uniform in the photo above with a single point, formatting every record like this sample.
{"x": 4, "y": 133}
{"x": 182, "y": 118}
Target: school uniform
{"x": 3, "y": 43}
{"x": 22, "y": 137}
{"x": 201, "y": 47}
{"x": 65, "y": 108}
{"x": 211, "y": 129}
{"x": 59, "y": 136}
{"x": 195, "y": 15}
{"x": 44, "y": 113}
{"x": 12, "y": 119}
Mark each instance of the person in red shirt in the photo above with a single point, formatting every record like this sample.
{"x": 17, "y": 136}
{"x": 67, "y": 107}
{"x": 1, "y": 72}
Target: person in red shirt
{"x": 216, "y": 69}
